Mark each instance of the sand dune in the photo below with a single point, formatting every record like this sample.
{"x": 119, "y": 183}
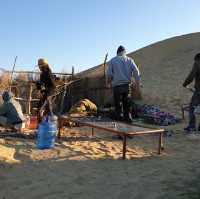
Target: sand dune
{"x": 164, "y": 66}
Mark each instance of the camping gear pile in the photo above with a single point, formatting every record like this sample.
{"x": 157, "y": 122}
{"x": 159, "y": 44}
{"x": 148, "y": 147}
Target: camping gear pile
{"x": 153, "y": 114}
{"x": 84, "y": 105}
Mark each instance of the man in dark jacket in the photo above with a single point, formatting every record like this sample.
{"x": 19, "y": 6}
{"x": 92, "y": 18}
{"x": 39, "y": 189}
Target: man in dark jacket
{"x": 194, "y": 75}
{"x": 46, "y": 86}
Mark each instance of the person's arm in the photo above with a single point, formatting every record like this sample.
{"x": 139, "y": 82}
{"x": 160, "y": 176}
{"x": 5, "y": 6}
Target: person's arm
{"x": 49, "y": 81}
{"x": 109, "y": 74}
{"x": 136, "y": 74}
{"x": 2, "y": 110}
{"x": 191, "y": 76}
{"x": 42, "y": 78}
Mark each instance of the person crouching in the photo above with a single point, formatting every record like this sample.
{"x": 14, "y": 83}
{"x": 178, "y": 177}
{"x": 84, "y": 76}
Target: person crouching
{"x": 11, "y": 115}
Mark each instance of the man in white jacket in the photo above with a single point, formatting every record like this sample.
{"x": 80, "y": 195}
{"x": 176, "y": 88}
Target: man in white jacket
{"x": 120, "y": 71}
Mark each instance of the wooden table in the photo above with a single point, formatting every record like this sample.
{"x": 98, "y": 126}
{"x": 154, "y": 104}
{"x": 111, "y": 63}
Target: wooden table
{"x": 119, "y": 128}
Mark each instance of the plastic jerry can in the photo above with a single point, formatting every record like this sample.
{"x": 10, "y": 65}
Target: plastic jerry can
{"x": 47, "y": 131}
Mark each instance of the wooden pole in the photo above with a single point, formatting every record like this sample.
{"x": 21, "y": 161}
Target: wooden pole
{"x": 72, "y": 72}
{"x": 11, "y": 78}
{"x": 63, "y": 96}
{"x": 92, "y": 132}
{"x": 104, "y": 79}
{"x": 34, "y": 72}
{"x": 28, "y": 106}
{"x": 160, "y": 143}
{"x": 60, "y": 125}
{"x": 124, "y": 147}
{"x": 104, "y": 65}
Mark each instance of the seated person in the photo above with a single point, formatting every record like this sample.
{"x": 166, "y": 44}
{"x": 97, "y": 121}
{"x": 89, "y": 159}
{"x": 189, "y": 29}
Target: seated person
{"x": 11, "y": 112}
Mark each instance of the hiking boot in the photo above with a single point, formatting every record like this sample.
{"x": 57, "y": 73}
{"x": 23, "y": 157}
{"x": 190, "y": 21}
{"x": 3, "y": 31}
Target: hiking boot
{"x": 189, "y": 129}
{"x": 128, "y": 120}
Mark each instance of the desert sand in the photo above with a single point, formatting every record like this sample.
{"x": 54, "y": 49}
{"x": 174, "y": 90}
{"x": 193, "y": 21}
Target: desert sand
{"x": 85, "y": 167}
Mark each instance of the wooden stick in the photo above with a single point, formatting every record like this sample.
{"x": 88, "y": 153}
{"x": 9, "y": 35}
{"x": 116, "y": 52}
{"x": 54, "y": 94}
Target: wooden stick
{"x": 72, "y": 72}
{"x": 124, "y": 147}
{"x": 11, "y": 78}
{"x": 104, "y": 84}
{"x": 63, "y": 99}
{"x": 160, "y": 143}
{"x": 104, "y": 65}
{"x": 92, "y": 131}
{"x": 28, "y": 108}
{"x": 34, "y": 72}
{"x": 25, "y": 100}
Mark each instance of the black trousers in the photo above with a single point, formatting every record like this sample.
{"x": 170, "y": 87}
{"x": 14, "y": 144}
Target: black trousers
{"x": 120, "y": 95}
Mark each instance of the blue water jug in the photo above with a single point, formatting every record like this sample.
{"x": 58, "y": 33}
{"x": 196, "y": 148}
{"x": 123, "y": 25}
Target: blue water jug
{"x": 47, "y": 131}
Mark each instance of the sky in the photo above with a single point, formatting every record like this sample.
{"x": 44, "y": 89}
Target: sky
{"x": 80, "y": 32}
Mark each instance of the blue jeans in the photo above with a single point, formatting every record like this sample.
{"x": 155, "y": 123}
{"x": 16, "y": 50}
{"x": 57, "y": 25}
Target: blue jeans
{"x": 194, "y": 102}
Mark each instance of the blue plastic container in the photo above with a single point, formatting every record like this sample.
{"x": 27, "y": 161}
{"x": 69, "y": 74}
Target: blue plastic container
{"x": 47, "y": 131}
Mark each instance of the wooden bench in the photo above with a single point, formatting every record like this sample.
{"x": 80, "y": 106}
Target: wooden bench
{"x": 122, "y": 129}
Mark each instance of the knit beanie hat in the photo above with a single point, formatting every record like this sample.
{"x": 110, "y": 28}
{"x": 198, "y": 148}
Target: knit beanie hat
{"x": 7, "y": 96}
{"x": 120, "y": 49}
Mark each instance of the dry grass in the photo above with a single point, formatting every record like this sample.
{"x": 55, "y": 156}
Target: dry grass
{"x": 21, "y": 86}
{"x": 4, "y": 81}
{"x": 22, "y": 77}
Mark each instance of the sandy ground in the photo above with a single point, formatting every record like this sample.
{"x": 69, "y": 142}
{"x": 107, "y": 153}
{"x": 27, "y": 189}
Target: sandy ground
{"x": 85, "y": 167}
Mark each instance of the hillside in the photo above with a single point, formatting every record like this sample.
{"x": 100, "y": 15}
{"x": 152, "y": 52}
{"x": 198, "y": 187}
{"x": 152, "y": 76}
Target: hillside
{"x": 164, "y": 66}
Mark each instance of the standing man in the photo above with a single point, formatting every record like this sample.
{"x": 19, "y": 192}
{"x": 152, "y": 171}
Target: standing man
{"x": 46, "y": 85}
{"x": 120, "y": 71}
{"x": 194, "y": 75}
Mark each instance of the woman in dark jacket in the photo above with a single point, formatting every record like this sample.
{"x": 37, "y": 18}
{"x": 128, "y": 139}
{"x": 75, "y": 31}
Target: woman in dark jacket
{"x": 46, "y": 86}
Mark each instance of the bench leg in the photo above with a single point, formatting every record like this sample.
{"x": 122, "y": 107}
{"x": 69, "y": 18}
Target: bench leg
{"x": 92, "y": 131}
{"x": 160, "y": 143}
{"x": 124, "y": 147}
{"x": 60, "y": 125}
{"x": 183, "y": 113}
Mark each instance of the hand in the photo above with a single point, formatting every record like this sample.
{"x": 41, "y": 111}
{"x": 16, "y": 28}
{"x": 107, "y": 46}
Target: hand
{"x": 184, "y": 86}
{"x": 188, "y": 87}
{"x": 108, "y": 82}
{"x": 137, "y": 86}
{"x": 108, "y": 85}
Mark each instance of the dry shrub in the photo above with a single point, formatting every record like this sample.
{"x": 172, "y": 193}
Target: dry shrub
{"x": 4, "y": 83}
{"x": 22, "y": 77}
